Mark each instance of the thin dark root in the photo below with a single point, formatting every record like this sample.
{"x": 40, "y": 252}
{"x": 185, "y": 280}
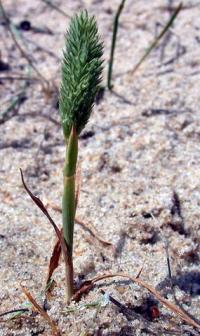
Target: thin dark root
{"x": 22, "y": 310}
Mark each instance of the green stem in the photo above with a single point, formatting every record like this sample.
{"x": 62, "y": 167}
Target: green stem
{"x": 115, "y": 28}
{"x": 69, "y": 204}
{"x": 158, "y": 38}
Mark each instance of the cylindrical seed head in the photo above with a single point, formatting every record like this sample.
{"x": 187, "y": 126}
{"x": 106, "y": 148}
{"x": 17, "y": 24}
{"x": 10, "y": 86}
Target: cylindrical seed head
{"x": 81, "y": 72}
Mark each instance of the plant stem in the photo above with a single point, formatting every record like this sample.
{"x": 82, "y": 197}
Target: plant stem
{"x": 52, "y": 5}
{"x": 12, "y": 30}
{"x": 69, "y": 204}
{"x": 115, "y": 28}
{"x": 158, "y": 38}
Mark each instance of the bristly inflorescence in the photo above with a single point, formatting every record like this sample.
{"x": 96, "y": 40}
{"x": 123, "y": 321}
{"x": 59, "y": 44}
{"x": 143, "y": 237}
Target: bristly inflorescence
{"x": 81, "y": 72}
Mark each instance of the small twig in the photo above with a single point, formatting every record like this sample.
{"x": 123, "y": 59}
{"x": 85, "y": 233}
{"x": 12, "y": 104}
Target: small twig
{"x": 45, "y": 315}
{"x": 129, "y": 313}
{"x": 39, "y": 203}
{"x": 16, "y": 101}
{"x": 49, "y": 3}
{"x": 166, "y": 245}
{"x": 168, "y": 262}
{"x": 158, "y": 38}
{"x": 65, "y": 249}
{"x": 88, "y": 227}
{"x": 114, "y": 36}
{"x": 23, "y": 53}
{"x": 178, "y": 310}
{"x": 172, "y": 284}
{"x": 22, "y": 310}
{"x": 55, "y": 257}
{"x": 20, "y": 77}
{"x": 171, "y": 8}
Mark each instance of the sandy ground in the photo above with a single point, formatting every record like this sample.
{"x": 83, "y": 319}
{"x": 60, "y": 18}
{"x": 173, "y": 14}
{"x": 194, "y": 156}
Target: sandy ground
{"x": 139, "y": 157}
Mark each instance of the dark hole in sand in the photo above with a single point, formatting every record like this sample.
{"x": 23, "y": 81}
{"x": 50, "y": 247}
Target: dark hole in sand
{"x": 146, "y": 214}
{"x": 25, "y": 25}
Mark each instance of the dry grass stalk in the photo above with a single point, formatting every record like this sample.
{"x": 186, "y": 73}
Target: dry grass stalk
{"x": 171, "y": 306}
{"x": 43, "y": 313}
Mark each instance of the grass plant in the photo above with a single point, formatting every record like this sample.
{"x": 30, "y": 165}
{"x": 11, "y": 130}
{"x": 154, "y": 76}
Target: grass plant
{"x": 81, "y": 76}
{"x": 147, "y": 52}
{"x": 158, "y": 38}
{"x": 114, "y": 37}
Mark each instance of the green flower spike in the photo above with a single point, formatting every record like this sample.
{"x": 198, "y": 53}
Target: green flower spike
{"x": 81, "y": 72}
{"x": 81, "y": 76}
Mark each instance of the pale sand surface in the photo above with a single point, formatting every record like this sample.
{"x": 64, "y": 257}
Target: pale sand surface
{"x": 144, "y": 149}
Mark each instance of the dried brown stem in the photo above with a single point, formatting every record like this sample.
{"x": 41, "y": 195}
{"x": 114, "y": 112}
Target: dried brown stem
{"x": 88, "y": 227}
{"x": 175, "y": 309}
{"x": 45, "y": 315}
{"x": 65, "y": 250}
